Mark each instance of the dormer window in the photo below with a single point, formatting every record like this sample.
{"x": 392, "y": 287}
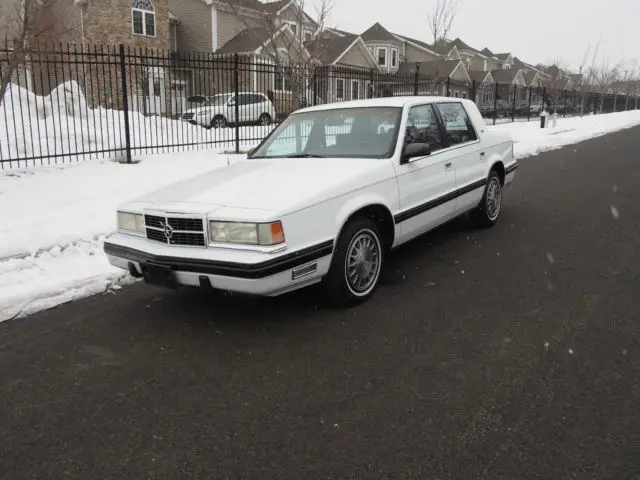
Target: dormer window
{"x": 382, "y": 56}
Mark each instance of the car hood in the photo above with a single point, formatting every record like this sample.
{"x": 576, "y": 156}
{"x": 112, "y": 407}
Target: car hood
{"x": 278, "y": 185}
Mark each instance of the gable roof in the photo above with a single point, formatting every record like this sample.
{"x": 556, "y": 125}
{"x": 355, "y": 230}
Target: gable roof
{"x": 247, "y": 41}
{"x": 487, "y": 52}
{"x": 481, "y": 76}
{"x": 378, "y": 33}
{"x": 330, "y": 48}
{"x": 274, "y": 7}
{"x": 503, "y": 57}
{"x": 417, "y": 43}
{"x": 529, "y": 77}
{"x": 505, "y": 75}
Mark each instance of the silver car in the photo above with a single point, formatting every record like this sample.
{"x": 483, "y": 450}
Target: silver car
{"x": 219, "y": 111}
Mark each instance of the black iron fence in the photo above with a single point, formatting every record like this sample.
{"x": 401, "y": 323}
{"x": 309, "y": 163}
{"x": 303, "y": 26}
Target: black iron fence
{"x": 72, "y": 103}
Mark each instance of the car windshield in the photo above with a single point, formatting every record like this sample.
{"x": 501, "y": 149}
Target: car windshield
{"x": 362, "y": 132}
{"x": 216, "y": 101}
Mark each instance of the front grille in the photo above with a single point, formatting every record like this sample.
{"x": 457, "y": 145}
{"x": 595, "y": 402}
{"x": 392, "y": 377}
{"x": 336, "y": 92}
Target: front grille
{"x": 184, "y": 231}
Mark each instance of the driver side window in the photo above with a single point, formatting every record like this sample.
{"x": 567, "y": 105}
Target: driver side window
{"x": 422, "y": 127}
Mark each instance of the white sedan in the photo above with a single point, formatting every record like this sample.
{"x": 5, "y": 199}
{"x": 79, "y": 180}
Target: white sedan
{"x": 323, "y": 198}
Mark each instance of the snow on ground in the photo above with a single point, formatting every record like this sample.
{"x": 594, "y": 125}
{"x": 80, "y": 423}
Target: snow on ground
{"x": 61, "y": 128}
{"x": 53, "y": 221}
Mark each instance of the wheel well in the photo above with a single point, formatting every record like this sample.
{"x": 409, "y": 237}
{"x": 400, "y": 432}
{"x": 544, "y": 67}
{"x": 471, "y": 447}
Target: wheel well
{"x": 499, "y": 168}
{"x": 382, "y": 216}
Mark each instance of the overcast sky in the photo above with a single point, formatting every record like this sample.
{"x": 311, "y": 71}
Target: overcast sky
{"x": 511, "y": 25}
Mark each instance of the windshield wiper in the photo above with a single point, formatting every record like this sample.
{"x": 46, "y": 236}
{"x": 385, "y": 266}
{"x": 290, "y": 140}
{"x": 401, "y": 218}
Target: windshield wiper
{"x": 303, "y": 155}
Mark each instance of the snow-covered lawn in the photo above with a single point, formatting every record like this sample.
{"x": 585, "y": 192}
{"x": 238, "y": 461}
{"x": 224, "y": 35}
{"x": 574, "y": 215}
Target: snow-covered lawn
{"x": 54, "y": 220}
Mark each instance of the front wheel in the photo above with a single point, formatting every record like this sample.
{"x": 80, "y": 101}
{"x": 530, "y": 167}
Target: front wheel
{"x": 218, "y": 122}
{"x": 487, "y": 212}
{"x": 357, "y": 262}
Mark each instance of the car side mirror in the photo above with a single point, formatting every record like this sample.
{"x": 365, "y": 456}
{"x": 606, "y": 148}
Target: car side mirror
{"x": 413, "y": 150}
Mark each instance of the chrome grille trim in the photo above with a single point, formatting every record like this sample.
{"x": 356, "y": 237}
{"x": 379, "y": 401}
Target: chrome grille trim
{"x": 185, "y": 230}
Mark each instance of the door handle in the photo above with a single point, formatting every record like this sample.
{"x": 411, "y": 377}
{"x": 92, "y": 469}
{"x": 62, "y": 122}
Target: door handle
{"x": 447, "y": 166}
{"x": 482, "y": 154}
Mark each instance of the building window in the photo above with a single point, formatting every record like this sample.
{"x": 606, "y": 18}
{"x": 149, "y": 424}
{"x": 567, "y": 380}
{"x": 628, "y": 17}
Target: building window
{"x": 281, "y": 81}
{"x": 394, "y": 57}
{"x": 308, "y": 36}
{"x": 464, "y": 94}
{"x": 382, "y": 56}
{"x": 143, "y": 18}
{"x": 339, "y": 88}
{"x": 456, "y": 94}
{"x": 294, "y": 28}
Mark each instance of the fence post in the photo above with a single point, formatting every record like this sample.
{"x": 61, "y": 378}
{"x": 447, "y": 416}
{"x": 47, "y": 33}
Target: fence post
{"x": 513, "y": 106}
{"x": 473, "y": 91}
{"x": 125, "y": 103}
{"x": 564, "y": 113}
{"x": 236, "y": 80}
{"x": 495, "y": 104}
{"x": 529, "y": 105}
{"x": 372, "y": 90}
{"x": 415, "y": 86}
{"x": 615, "y": 101}
{"x": 448, "y": 86}
{"x": 315, "y": 88}
{"x": 544, "y": 98}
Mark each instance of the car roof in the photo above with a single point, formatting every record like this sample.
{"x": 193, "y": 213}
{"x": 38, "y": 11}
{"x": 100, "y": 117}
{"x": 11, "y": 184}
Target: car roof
{"x": 384, "y": 102}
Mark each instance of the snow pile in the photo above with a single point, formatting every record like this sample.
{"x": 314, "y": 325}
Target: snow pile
{"x": 35, "y": 129}
{"x": 530, "y": 139}
{"x": 53, "y": 221}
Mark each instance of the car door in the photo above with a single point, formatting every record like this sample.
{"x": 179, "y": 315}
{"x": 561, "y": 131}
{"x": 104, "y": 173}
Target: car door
{"x": 425, "y": 184}
{"x": 468, "y": 154}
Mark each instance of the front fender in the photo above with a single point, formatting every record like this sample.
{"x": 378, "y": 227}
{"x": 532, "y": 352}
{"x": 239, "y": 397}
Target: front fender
{"x": 354, "y": 204}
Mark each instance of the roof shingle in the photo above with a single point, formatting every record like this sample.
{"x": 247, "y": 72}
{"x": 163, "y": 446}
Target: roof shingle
{"x": 378, "y": 33}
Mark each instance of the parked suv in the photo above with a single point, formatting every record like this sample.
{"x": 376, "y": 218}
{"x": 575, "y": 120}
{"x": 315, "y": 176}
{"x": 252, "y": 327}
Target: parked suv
{"x": 219, "y": 110}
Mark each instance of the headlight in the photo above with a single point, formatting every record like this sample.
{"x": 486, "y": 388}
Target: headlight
{"x": 203, "y": 114}
{"x": 246, "y": 233}
{"x": 131, "y": 222}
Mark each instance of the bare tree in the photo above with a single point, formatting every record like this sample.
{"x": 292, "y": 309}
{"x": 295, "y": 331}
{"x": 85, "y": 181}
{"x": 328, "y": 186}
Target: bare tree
{"x": 295, "y": 58}
{"x": 441, "y": 19}
{"x": 28, "y": 21}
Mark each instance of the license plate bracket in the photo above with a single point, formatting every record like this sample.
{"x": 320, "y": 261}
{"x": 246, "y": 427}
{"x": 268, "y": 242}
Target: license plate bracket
{"x": 159, "y": 275}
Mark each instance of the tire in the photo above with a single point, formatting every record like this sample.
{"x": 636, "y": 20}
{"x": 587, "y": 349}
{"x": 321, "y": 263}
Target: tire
{"x": 487, "y": 213}
{"x": 265, "y": 119}
{"x": 218, "y": 122}
{"x": 347, "y": 283}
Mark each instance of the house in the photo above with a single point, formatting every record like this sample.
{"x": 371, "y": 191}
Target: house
{"x": 77, "y": 40}
{"x": 484, "y": 87}
{"x": 511, "y": 84}
{"x": 265, "y": 37}
{"x": 346, "y": 64}
{"x": 384, "y": 46}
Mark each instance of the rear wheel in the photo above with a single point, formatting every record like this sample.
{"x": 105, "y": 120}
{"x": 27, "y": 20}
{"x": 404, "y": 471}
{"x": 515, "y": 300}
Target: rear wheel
{"x": 357, "y": 262}
{"x": 487, "y": 212}
{"x": 218, "y": 122}
{"x": 265, "y": 119}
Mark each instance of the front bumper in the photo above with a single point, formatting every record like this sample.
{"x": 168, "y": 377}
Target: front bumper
{"x": 256, "y": 274}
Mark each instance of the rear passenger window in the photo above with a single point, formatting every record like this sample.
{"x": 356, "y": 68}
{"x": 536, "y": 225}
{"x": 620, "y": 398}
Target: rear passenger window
{"x": 458, "y": 126}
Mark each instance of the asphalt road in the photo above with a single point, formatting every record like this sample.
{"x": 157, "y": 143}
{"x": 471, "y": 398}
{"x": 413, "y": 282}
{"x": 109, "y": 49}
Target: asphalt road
{"x": 509, "y": 353}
